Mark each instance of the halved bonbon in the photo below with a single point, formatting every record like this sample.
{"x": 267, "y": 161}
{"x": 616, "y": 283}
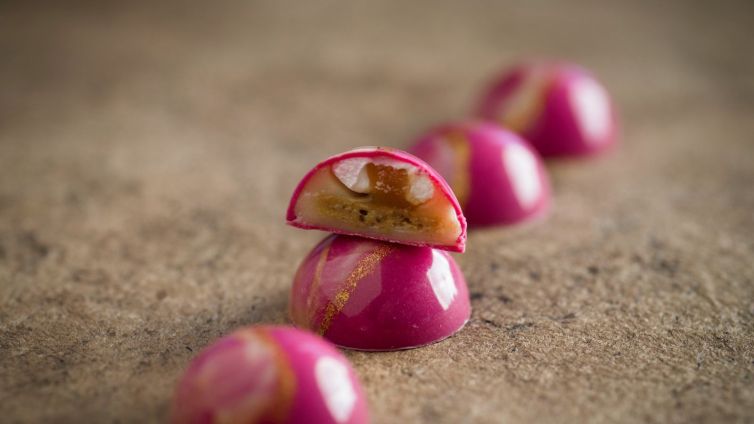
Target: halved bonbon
{"x": 380, "y": 193}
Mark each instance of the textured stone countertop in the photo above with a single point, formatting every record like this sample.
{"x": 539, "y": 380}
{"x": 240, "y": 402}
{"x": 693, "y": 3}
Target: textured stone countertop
{"x": 147, "y": 153}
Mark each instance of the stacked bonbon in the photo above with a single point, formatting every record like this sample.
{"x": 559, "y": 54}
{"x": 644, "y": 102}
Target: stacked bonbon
{"x": 382, "y": 281}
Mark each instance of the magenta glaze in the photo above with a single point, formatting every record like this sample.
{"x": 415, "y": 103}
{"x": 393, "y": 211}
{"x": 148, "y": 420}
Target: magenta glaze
{"x": 498, "y": 178}
{"x": 576, "y": 116}
{"x": 269, "y": 374}
{"x": 372, "y": 295}
{"x": 395, "y": 154}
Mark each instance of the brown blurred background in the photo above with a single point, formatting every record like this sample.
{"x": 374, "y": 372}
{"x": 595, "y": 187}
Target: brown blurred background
{"x": 147, "y": 152}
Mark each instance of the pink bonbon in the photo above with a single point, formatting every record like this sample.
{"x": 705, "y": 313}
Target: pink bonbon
{"x": 269, "y": 374}
{"x": 383, "y": 194}
{"x": 497, "y": 177}
{"x": 371, "y": 295}
{"x": 560, "y": 108}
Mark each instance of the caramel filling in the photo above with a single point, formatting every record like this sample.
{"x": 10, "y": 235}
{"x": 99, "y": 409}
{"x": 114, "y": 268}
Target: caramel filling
{"x": 362, "y": 212}
{"x": 385, "y": 207}
{"x": 389, "y": 185}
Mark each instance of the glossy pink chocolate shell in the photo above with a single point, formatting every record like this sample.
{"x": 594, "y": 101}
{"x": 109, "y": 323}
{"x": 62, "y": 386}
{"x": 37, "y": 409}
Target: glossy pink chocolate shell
{"x": 574, "y": 117}
{"x": 497, "y": 176}
{"x": 395, "y": 154}
{"x": 371, "y": 295}
{"x": 269, "y": 374}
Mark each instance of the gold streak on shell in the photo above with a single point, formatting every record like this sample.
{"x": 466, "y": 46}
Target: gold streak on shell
{"x": 534, "y": 90}
{"x": 365, "y": 267}
{"x": 460, "y": 180}
{"x": 311, "y": 308}
{"x": 279, "y": 404}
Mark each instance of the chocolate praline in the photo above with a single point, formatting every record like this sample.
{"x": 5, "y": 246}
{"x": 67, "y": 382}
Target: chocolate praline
{"x": 498, "y": 178}
{"x": 266, "y": 374}
{"x": 371, "y": 295}
{"x": 560, "y": 108}
{"x": 380, "y": 193}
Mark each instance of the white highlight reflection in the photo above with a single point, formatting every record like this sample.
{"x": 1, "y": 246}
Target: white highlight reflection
{"x": 591, "y": 109}
{"x": 441, "y": 280}
{"x": 335, "y": 387}
{"x": 521, "y": 166}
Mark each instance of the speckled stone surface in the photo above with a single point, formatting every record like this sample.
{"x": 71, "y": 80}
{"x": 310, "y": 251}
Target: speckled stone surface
{"x": 147, "y": 153}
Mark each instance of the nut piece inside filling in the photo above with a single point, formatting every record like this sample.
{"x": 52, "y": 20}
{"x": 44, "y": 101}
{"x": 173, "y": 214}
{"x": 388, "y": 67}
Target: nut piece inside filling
{"x": 384, "y": 194}
{"x": 391, "y": 183}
